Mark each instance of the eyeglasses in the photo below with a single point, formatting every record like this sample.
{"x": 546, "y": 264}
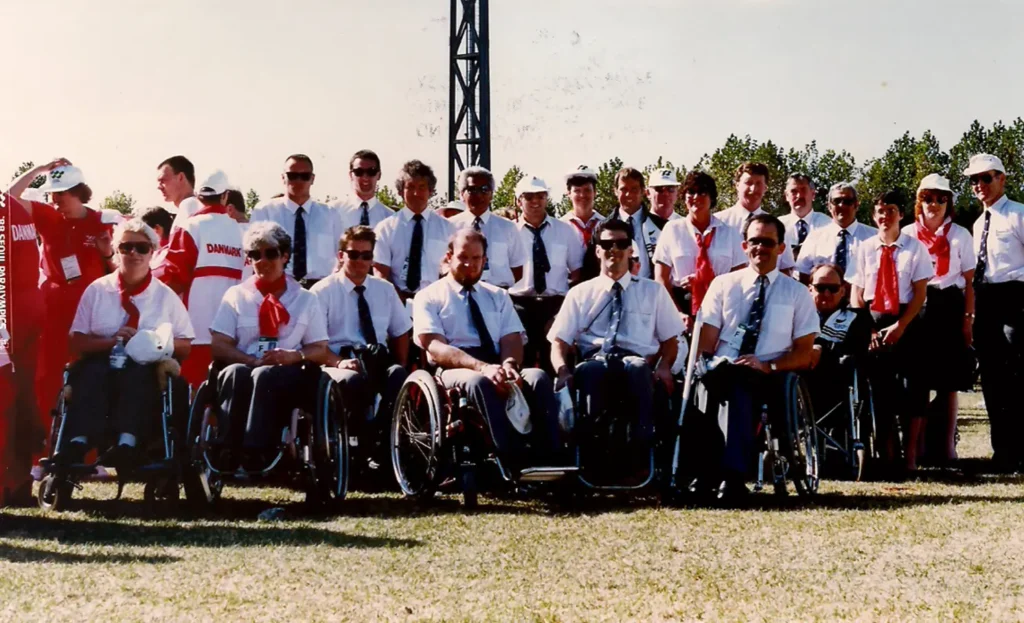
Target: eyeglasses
{"x": 271, "y": 254}
{"x": 934, "y": 199}
{"x": 767, "y": 243}
{"x": 141, "y": 248}
{"x": 831, "y": 288}
{"x": 352, "y": 254}
{"x": 842, "y": 201}
{"x": 983, "y": 178}
{"x": 294, "y": 176}
{"x": 360, "y": 172}
{"x": 619, "y": 243}
{"x": 478, "y": 190}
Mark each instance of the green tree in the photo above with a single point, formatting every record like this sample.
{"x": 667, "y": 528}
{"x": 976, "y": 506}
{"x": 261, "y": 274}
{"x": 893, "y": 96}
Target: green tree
{"x": 388, "y": 198}
{"x": 605, "y": 201}
{"x": 825, "y": 169}
{"x": 252, "y": 199}
{"x": 1006, "y": 142}
{"x": 563, "y": 207}
{"x": 119, "y": 201}
{"x": 28, "y": 166}
{"x": 722, "y": 165}
{"x": 505, "y": 194}
{"x": 901, "y": 168}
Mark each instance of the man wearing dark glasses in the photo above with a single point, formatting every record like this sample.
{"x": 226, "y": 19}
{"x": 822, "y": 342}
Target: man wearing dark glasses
{"x": 837, "y": 242}
{"x": 362, "y": 207}
{"x": 505, "y": 252}
{"x": 999, "y": 296}
{"x": 314, "y": 227}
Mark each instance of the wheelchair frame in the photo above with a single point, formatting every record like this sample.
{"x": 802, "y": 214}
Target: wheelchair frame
{"x": 858, "y": 447}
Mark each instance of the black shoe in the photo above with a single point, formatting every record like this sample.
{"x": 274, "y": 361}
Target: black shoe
{"x": 732, "y": 491}
{"x": 72, "y": 454}
{"x": 121, "y": 457}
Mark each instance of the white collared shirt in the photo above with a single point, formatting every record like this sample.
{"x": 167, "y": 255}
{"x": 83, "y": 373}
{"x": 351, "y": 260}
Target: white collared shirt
{"x": 504, "y": 247}
{"x": 339, "y": 303}
{"x": 961, "y": 255}
{"x": 788, "y": 316}
{"x": 442, "y": 308}
{"x": 323, "y": 231}
{"x": 640, "y": 246}
{"x": 820, "y": 246}
{"x": 678, "y": 248}
{"x": 814, "y": 221}
{"x": 913, "y": 264}
{"x": 351, "y": 210}
{"x": 394, "y": 237}
{"x": 1005, "y": 247}
{"x": 100, "y": 311}
{"x": 736, "y": 217}
{"x": 565, "y": 255}
{"x": 239, "y": 317}
{"x": 181, "y": 212}
{"x": 649, "y": 315}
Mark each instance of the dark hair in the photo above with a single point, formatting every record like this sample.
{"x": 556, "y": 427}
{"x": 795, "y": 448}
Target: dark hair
{"x": 82, "y": 192}
{"x": 701, "y": 182}
{"x": 155, "y": 215}
{"x": 236, "y": 200}
{"x": 411, "y": 169}
{"x": 891, "y": 197}
{"x": 580, "y": 180}
{"x": 630, "y": 173}
{"x": 301, "y": 158}
{"x": 357, "y": 232}
{"x": 829, "y": 265}
{"x": 469, "y": 235}
{"x": 611, "y": 225}
{"x": 801, "y": 177}
{"x": 181, "y": 164}
{"x": 364, "y": 154}
{"x": 753, "y": 168}
{"x": 766, "y": 219}
{"x": 950, "y": 208}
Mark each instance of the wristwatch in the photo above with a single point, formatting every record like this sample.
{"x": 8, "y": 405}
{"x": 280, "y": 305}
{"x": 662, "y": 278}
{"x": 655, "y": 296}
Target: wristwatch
{"x": 774, "y": 368}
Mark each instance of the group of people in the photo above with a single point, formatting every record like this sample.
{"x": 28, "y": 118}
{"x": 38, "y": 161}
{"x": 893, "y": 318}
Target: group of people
{"x": 603, "y": 304}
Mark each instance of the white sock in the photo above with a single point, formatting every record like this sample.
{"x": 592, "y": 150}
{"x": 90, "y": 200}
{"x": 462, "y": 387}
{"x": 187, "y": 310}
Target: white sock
{"x": 126, "y": 439}
{"x": 81, "y": 439}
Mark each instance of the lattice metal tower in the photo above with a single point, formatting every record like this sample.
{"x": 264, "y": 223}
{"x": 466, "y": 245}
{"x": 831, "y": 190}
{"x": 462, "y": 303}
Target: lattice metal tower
{"x": 469, "y": 89}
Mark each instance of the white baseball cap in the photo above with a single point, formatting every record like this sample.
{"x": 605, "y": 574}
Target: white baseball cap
{"x": 979, "y": 163}
{"x": 582, "y": 171}
{"x": 663, "y": 177}
{"x": 934, "y": 181}
{"x": 531, "y": 185}
{"x": 214, "y": 186}
{"x": 61, "y": 179}
{"x": 456, "y": 205}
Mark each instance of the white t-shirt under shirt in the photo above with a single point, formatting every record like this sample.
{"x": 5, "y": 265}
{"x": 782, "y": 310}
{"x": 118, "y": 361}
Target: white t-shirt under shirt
{"x": 239, "y": 317}
{"x": 100, "y": 312}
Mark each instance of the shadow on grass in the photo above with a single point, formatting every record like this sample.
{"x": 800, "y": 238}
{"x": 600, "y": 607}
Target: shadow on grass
{"x": 880, "y": 502}
{"x": 16, "y": 554}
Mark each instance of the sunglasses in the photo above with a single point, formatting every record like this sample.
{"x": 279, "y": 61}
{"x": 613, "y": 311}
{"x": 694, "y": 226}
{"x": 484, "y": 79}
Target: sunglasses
{"x": 141, "y": 248}
{"x": 619, "y": 243}
{"x": 256, "y": 255}
{"x": 304, "y": 176}
{"x": 842, "y": 201}
{"x": 478, "y": 190}
{"x": 352, "y": 254}
{"x": 831, "y": 288}
{"x": 767, "y": 243}
{"x": 983, "y": 178}
{"x": 360, "y": 172}
{"x": 934, "y": 199}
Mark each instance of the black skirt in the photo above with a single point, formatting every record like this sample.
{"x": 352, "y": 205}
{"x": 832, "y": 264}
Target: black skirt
{"x": 940, "y": 339}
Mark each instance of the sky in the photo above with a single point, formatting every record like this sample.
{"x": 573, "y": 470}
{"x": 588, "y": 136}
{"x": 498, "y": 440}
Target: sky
{"x": 238, "y": 85}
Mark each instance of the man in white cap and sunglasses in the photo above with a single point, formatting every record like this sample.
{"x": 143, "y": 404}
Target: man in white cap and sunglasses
{"x": 663, "y": 192}
{"x": 999, "y": 305}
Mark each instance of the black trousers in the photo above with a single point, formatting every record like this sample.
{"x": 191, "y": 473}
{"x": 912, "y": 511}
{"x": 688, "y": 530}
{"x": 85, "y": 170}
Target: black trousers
{"x": 999, "y": 341}
{"x": 536, "y": 314}
{"x": 129, "y": 397}
{"x": 359, "y": 392}
{"x": 258, "y": 402}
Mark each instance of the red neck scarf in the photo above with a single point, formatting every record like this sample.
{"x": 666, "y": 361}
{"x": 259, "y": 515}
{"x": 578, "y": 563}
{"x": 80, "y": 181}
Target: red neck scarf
{"x": 273, "y": 314}
{"x": 887, "y": 287}
{"x": 127, "y": 292}
{"x": 937, "y": 243}
{"x": 704, "y": 273}
{"x": 585, "y": 230}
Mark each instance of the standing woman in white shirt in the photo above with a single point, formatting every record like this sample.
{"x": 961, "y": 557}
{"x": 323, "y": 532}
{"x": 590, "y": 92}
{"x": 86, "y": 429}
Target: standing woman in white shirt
{"x": 947, "y": 321}
{"x": 890, "y": 277}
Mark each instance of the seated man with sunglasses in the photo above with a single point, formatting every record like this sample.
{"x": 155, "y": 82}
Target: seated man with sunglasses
{"x": 203, "y": 260}
{"x": 837, "y": 242}
{"x": 362, "y": 207}
{"x": 625, "y": 330}
{"x": 313, "y": 227}
{"x": 368, "y": 328}
{"x": 761, "y": 322}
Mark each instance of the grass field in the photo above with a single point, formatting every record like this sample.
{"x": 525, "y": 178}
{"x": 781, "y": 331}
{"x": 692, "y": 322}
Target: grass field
{"x": 947, "y": 546}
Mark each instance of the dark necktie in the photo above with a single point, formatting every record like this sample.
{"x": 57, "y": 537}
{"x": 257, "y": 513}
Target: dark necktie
{"x": 749, "y": 344}
{"x": 299, "y": 246}
{"x": 842, "y": 250}
{"x": 486, "y": 343}
{"x": 632, "y": 231}
{"x": 615, "y": 320}
{"x": 412, "y": 278}
{"x": 801, "y": 231}
{"x": 478, "y": 224}
{"x": 365, "y": 319}
{"x": 364, "y": 217}
{"x": 541, "y": 264}
{"x": 979, "y": 270}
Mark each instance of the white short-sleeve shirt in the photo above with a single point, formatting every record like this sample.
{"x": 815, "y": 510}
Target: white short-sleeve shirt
{"x": 239, "y": 317}
{"x": 504, "y": 247}
{"x": 789, "y": 312}
{"x": 813, "y": 220}
{"x": 443, "y": 309}
{"x": 339, "y": 303}
{"x": 394, "y": 237}
{"x": 820, "y": 246}
{"x": 100, "y": 312}
{"x": 678, "y": 248}
{"x": 961, "y": 256}
{"x": 323, "y": 231}
{"x": 649, "y": 315}
{"x": 351, "y": 210}
{"x": 1005, "y": 247}
{"x": 913, "y": 263}
{"x": 564, "y": 251}
{"x": 736, "y": 217}
{"x": 185, "y": 209}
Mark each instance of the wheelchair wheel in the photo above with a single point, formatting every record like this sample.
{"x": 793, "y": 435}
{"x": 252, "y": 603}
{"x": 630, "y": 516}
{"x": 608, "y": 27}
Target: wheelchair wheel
{"x": 162, "y": 491}
{"x": 331, "y": 455}
{"x": 799, "y": 443}
{"x": 202, "y": 486}
{"x": 416, "y": 435}
{"x": 54, "y": 493}
{"x": 866, "y": 420}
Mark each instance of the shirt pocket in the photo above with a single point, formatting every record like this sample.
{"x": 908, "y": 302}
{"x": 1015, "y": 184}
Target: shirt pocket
{"x": 380, "y": 325}
{"x": 558, "y": 255}
{"x": 323, "y": 245}
{"x": 778, "y": 323}
{"x": 493, "y": 322}
{"x": 641, "y": 328}
{"x": 435, "y": 252}
{"x": 497, "y": 254}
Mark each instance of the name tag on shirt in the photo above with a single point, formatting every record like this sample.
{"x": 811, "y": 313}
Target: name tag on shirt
{"x": 264, "y": 345}
{"x": 71, "y": 268}
{"x": 736, "y": 341}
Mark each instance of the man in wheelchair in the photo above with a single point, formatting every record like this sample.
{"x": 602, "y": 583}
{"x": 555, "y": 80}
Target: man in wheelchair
{"x": 756, "y": 324}
{"x": 625, "y": 329}
{"x": 471, "y": 331}
{"x": 844, "y": 338}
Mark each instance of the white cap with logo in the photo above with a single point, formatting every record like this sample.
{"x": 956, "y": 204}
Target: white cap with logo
{"x": 582, "y": 171}
{"x": 530, "y": 185}
{"x": 980, "y": 163}
{"x": 62, "y": 178}
{"x": 934, "y": 181}
{"x": 214, "y": 186}
{"x": 663, "y": 177}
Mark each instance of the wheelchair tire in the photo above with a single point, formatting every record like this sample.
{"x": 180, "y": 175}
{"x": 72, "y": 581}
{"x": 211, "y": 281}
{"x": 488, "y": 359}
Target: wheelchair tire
{"x": 470, "y": 490}
{"x": 54, "y": 494}
{"x": 331, "y": 451}
{"x": 416, "y": 435}
{"x": 202, "y": 486}
{"x": 799, "y": 444}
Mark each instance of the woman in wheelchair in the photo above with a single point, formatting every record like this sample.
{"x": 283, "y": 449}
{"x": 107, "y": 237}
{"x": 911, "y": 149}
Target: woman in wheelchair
{"x": 265, "y": 329}
{"x": 110, "y": 390}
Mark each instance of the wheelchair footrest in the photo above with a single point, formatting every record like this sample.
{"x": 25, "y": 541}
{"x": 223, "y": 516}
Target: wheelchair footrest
{"x": 547, "y": 474}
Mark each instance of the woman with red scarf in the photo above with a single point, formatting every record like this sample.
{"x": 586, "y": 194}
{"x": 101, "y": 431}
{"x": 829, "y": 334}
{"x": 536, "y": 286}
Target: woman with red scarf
{"x": 265, "y": 328}
{"x": 890, "y": 275}
{"x": 948, "y": 316}
{"x": 123, "y": 395}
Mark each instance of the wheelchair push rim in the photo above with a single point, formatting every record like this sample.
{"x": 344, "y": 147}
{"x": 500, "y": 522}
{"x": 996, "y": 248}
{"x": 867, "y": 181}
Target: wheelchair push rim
{"x": 332, "y": 451}
{"x": 416, "y": 435}
{"x": 801, "y": 438}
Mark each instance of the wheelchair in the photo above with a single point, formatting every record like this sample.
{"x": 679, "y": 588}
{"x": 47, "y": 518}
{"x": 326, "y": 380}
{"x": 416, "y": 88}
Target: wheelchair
{"x": 439, "y": 441}
{"x": 162, "y": 469}
{"x": 846, "y": 425}
{"x": 312, "y": 454}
